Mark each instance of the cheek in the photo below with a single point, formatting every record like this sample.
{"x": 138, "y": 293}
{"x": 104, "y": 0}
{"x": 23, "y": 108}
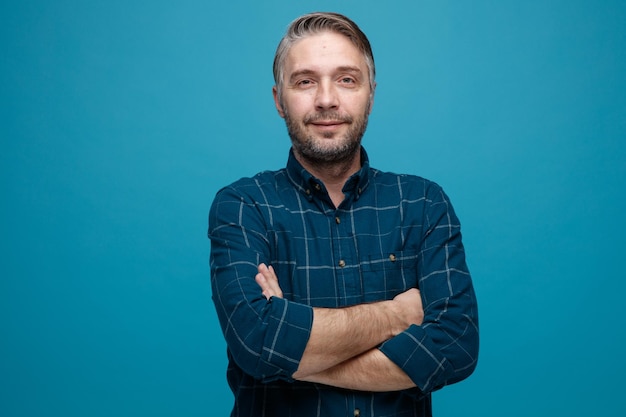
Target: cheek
{"x": 358, "y": 103}
{"x": 297, "y": 107}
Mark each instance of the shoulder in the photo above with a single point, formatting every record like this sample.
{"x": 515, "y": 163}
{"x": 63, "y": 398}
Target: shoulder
{"x": 253, "y": 186}
{"x": 409, "y": 183}
{"x": 246, "y": 197}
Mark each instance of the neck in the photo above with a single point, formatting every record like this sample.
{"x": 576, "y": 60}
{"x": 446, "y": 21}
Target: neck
{"x": 333, "y": 174}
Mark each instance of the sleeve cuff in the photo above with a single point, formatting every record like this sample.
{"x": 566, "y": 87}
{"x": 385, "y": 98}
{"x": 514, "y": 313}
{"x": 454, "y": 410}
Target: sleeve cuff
{"x": 290, "y": 326}
{"x": 416, "y": 355}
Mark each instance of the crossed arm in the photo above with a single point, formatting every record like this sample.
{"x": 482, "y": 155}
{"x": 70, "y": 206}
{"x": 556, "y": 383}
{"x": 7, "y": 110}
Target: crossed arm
{"x": 342, "y": 349}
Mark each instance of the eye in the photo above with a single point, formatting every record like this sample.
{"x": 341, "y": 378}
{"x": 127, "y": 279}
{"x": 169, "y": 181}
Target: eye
{"x": 304, "y": 83}
{"x": 348, "y": 81}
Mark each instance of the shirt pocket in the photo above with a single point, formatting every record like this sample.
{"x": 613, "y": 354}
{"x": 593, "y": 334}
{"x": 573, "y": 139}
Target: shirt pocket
{"x": 388, "y": 274}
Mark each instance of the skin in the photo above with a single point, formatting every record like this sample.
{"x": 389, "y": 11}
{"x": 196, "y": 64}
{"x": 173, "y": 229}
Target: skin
{"x": 326, "y": 99}
{"x": 341, "y": 350}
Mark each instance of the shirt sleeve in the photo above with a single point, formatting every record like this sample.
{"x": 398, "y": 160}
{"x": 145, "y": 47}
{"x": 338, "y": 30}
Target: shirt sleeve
{"x": 266, "y": 338}
{"x": 444, "y": 349}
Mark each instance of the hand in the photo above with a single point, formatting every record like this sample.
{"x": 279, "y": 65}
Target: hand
{"x": 268, "y": 281}
{"x": 409, "y": 309}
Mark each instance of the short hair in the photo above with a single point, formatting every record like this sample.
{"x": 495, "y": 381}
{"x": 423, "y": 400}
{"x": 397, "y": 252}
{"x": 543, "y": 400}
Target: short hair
{"x": 319, "y": 22}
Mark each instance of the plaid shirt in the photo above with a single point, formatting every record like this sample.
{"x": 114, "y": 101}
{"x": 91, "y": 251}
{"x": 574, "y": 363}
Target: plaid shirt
{"x": 391, "y": 233}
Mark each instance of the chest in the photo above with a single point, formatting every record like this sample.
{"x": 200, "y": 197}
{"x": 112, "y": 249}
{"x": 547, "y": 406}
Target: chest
{"x": 334, "y": 258}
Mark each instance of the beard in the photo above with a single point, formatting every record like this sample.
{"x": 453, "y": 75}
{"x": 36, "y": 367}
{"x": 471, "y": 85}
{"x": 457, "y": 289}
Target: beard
{"x": 315, "y": 150}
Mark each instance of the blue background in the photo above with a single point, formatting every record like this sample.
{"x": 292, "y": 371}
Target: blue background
{"x": 121, "y": 119}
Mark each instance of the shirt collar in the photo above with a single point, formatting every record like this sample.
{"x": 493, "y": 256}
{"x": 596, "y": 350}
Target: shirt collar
{"x": 309, "y": 185}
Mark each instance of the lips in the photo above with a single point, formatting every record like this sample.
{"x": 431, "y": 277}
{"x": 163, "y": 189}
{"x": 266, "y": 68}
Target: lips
{"x": 328, "y": 119}
{"x": 328, "y": 123}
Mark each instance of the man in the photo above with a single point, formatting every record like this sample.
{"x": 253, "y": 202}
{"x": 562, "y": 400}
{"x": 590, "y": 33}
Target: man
{"x": 341, "y": 290}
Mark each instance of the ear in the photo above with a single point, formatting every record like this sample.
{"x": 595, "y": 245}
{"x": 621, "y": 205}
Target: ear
{"x": 372, "y": 98}
{"x": 279, "y": 107}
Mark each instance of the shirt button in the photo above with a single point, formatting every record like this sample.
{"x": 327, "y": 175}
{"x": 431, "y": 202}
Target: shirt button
{"x": 337, "y": 220}
{"x": 357, "y": 412}
{"x": 318, "y": 187}
{"x": 342, "y": 263}
{"x": 392, "y": 257}
{"x": 308, "y": 191}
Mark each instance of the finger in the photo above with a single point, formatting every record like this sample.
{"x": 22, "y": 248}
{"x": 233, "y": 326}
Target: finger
{"x": 266, "y": 272}
{"x": 266, "y": 289}
{"x": 262, "y": 282}
{"x": 271, "y": 280}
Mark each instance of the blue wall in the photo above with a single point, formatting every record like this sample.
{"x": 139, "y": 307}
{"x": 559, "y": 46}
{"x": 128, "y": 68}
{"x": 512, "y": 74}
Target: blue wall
{"x": 120, "y": 121}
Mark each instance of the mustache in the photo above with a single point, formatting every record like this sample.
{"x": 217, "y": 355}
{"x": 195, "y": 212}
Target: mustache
{"x": 328, "y": 116}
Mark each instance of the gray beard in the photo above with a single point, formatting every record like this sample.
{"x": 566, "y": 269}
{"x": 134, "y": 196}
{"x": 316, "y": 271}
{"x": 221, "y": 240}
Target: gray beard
{"x": 305, "y": 145}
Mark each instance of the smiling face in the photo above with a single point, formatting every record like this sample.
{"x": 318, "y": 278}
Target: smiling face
{"x": 326, "y": 98}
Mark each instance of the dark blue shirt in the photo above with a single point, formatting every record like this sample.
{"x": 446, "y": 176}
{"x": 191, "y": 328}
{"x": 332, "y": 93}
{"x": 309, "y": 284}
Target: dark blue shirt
{"x": 391, "y": 233}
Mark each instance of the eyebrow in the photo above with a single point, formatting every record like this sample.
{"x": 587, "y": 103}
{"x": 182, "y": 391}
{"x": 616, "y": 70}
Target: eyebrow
{"x": 344, "y": 68}
{"x": 299, "y": 73}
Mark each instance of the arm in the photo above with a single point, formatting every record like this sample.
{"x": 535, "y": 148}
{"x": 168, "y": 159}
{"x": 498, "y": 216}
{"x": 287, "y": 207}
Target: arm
{"x": 444, "y": 349}
{"x": 264, "y": 338}
{"x": 370, "y": 371}
{"x": 273, "y": 338}
{"x": 341, "y": 348}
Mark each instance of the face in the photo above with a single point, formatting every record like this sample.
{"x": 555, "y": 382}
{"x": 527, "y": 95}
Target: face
{"x": 326, "y": 98}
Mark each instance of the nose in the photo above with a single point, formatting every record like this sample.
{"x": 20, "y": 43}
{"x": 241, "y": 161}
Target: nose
{"x": 326, "y": 96}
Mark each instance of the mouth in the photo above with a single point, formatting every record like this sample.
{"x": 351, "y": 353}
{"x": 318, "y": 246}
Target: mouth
{"x": 327, "y": 127}
{"x": 328, "y": 119}
{"x": 327, "y": 123}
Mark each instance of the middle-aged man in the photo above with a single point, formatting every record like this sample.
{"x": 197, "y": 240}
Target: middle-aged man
{"x": 341, "y": 290}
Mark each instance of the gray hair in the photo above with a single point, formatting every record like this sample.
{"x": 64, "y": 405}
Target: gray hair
{"x": 315, "y": 23}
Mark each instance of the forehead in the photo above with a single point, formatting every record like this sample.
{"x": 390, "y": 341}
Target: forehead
{"x": 324, "y": 51}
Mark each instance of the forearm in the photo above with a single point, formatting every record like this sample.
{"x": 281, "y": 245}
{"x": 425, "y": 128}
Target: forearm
{"x": 340, "y": 334}
{"x": 370, "y": 371}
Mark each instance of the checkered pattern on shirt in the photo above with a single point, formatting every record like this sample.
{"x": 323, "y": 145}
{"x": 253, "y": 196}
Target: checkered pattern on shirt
{"x": 391, "y": 233}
